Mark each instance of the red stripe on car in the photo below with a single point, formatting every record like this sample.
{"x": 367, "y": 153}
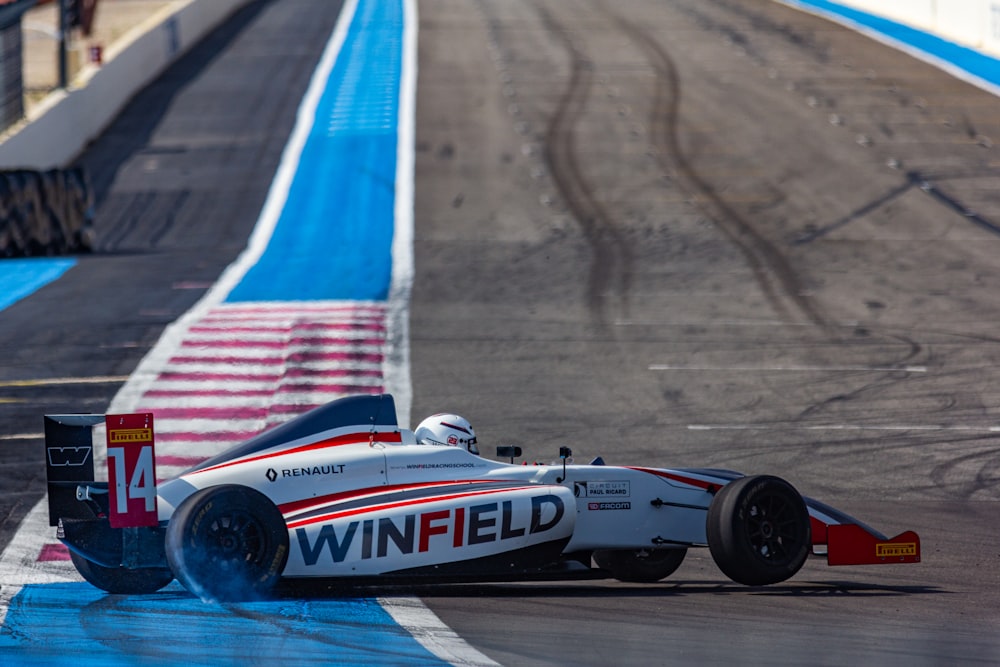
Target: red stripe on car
{"x": 691, "y": 481}
{"x": 403, "y": 503}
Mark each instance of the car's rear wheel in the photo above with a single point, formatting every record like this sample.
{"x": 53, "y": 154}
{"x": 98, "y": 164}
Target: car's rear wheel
{"x": 640, "y": 565}
{"x": 227, "y": 542}
{"x": 758, "y": 530}
{"x": 122, "y": 580}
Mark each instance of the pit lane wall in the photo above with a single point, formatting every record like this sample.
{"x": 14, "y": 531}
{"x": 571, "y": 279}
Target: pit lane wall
{"x": 971, "y": 23}
{"x": 67, "y": 121}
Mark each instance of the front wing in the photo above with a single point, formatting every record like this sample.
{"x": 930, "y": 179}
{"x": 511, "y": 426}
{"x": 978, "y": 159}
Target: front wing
{"x": 846, "y": 541}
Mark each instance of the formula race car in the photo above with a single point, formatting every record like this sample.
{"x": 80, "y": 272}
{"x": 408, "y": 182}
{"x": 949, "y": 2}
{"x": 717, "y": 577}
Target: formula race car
{"x": 342, "y": 492}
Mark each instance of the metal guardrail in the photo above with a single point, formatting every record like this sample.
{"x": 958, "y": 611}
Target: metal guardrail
{"x": 21, "y": 33}
{"x": 11, "y": 80}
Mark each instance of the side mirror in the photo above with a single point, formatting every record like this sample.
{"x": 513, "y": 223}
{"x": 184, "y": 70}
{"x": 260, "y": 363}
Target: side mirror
{"x": 508, "y": 452}
{"x": 564, "y": 453}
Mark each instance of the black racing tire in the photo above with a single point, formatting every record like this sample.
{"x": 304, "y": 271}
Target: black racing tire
{"x": 758, "y": 530}
{"x": 227, "y": 543}
{"x": 644, "y": 566}
{"x": 122, "y": 580}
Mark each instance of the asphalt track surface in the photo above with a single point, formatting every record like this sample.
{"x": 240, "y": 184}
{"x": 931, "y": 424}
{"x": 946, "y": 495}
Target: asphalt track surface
{"x": 695, "y": 233}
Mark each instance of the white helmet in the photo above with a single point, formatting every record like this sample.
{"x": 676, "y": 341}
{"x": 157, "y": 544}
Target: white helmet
{"x": 447, "y": 429}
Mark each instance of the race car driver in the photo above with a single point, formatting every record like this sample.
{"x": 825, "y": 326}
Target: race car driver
{"x": 447, "y": 429}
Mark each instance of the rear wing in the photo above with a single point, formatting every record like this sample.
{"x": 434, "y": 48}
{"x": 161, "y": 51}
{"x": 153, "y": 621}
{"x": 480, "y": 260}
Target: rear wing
{"x": 131, "y": 472}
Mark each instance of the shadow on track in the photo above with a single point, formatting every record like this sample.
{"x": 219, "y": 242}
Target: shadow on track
{"x": 601, "y": 589}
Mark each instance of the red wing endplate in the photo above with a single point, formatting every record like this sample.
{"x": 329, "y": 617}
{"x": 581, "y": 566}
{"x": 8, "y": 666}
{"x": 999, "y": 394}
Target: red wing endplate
{"x": 131, "y": 470}
{"x": 852, "y": 544}
{"x": 847, "y": 541}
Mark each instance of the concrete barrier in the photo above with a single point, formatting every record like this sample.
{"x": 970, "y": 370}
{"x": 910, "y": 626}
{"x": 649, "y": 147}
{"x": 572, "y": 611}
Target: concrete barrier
{"x": 971, "y": 23}
{"x": 63, "y": 125}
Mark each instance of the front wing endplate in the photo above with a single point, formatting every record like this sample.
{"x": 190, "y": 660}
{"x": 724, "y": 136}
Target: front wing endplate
{"x": 851, "y": 544}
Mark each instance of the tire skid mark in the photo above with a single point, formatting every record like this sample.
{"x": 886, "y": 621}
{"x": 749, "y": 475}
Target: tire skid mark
{"x": 612, "y": 256}
{"x": 913, "y": 351}
{"x": 804, "y": 41}
{"x": 971, "y": 475}
{"x": 772, "y": 271}
{"x": 770, "y": 268}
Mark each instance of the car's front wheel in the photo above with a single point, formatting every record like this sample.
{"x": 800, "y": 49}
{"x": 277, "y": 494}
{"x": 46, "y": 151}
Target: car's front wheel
{"x": 227, "y": 542}
{"x": 758, "y": 530}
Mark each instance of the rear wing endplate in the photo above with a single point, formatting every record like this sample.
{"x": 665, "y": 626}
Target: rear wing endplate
{"x": 69, "y": 467}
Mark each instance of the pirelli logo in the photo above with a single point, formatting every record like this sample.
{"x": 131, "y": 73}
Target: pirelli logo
{"x": 894, "y": 550}
{"x": 118, "y": 436}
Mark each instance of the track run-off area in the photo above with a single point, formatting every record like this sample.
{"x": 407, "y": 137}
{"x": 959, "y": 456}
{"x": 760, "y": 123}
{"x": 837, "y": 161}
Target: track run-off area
{"x": 722, "y": 233}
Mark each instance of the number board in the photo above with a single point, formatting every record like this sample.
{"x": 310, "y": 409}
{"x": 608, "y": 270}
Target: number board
{"x": 131, "y": 470}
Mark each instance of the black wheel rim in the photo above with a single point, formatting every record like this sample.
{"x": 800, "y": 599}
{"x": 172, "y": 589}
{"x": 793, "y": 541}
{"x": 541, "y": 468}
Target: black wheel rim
{"x": 236, "y": 539}
{"x": 773, "y": 529}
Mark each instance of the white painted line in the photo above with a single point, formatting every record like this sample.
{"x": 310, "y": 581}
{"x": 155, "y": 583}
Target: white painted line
{"x": 196, "y": 448}
{"x": 209, "y": 426}
{"x": 23, "y": 436}
{"x": 843, "y": 427}
{"x": 222, "y": 335}
{"x": 256, "y": 369}
{"x": 396, "y": 363}
{"x": 166, "y": 389}
{"x": 432, "y": 633}
{"x": 305, "y": 397}
{"x": 792, "y": 368}
{"x": 263, "y": 352}
{"x": 163, "y": 387}
{"x": 713, "y": 323}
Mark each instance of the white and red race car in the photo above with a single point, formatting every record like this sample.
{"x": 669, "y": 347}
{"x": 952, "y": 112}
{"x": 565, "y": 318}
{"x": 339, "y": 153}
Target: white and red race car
{"x": 342, "y": 492}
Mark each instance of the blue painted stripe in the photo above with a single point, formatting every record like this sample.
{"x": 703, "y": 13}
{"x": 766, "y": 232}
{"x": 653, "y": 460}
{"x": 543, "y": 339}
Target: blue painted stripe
{"x": 974, "y": 62}
{"x": 333, "y": 239}
{"x": 21, "y": 277}
{"x": 55, "y": 623}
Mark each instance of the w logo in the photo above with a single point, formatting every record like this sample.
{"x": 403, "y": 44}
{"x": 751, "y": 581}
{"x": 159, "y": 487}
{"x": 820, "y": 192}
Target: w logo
{"x": 61, "y": 457}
